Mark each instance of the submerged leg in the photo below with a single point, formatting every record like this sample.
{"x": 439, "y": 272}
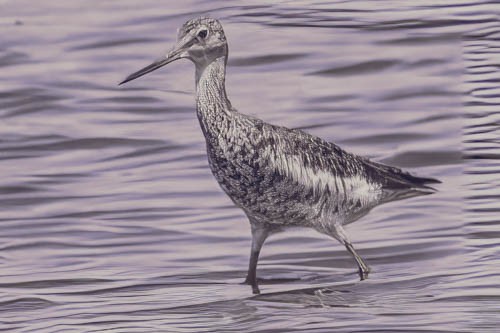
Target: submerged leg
{"x": 259, "y": 235}
{"x": 341, "y": 235}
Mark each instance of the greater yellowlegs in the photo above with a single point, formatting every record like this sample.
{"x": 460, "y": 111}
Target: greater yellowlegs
{"x": 279, "y": 177}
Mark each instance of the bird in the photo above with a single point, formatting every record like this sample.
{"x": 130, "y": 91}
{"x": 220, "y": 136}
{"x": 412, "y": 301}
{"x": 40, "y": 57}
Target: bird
{"x": 280, "y": 177}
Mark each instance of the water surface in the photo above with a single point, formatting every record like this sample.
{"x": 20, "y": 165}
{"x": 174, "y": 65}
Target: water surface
{"x": 111, "y": 221}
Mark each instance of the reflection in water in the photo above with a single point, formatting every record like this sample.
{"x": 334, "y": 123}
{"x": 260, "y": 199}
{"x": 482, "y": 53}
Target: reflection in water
{"x": 111, "y": 221}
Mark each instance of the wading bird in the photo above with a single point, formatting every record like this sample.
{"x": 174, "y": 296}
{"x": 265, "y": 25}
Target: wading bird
{"x": 279, "y": 177}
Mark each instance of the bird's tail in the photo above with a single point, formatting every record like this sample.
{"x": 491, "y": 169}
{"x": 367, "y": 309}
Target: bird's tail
{"x": 419, "y": 182}
{"x": 396, "y": 178}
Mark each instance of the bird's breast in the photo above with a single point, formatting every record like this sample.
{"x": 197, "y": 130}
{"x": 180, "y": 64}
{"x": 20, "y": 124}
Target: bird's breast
{"x": 243, "y": 172}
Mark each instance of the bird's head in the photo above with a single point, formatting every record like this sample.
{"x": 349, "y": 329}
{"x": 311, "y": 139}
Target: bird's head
{"x": 200, "y": 40}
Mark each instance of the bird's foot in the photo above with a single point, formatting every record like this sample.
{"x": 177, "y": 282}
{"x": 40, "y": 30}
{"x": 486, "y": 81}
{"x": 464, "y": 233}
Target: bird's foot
{"x": 255, "y": 290}
{"x": 254, "y": 284}
{"x": 363, "y": 272}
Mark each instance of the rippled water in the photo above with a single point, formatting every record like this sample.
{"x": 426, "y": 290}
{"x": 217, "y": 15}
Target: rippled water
{"x": 111, "y": 221}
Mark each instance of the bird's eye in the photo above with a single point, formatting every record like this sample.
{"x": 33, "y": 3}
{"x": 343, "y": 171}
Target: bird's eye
{"x": 202, "y": 33}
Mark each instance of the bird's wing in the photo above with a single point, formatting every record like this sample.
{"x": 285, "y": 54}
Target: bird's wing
{"x": 313, "y": 162}
{"x": 317, "y": 163}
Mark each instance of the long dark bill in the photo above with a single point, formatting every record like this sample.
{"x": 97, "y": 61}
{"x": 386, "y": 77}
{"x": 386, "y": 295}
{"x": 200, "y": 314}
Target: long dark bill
{"x": 177, "y": 52}
{"x": 148, "y": 69}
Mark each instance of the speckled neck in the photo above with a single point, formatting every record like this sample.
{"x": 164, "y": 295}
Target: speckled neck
{"x": 212, "y": 105}
{"x": 210, "y": 86}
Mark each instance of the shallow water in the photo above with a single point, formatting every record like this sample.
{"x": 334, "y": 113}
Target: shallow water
{"x": 111, "y": 221}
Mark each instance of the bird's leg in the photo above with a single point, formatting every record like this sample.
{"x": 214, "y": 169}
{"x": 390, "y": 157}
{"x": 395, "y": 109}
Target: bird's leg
{"x": 363, "y": 267}
{"x": 341, "y": 235}
{"x": 259, "y": 235}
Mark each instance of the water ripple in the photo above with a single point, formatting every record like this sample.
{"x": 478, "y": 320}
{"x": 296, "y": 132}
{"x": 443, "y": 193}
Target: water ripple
{"x": 111, "y": 220}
